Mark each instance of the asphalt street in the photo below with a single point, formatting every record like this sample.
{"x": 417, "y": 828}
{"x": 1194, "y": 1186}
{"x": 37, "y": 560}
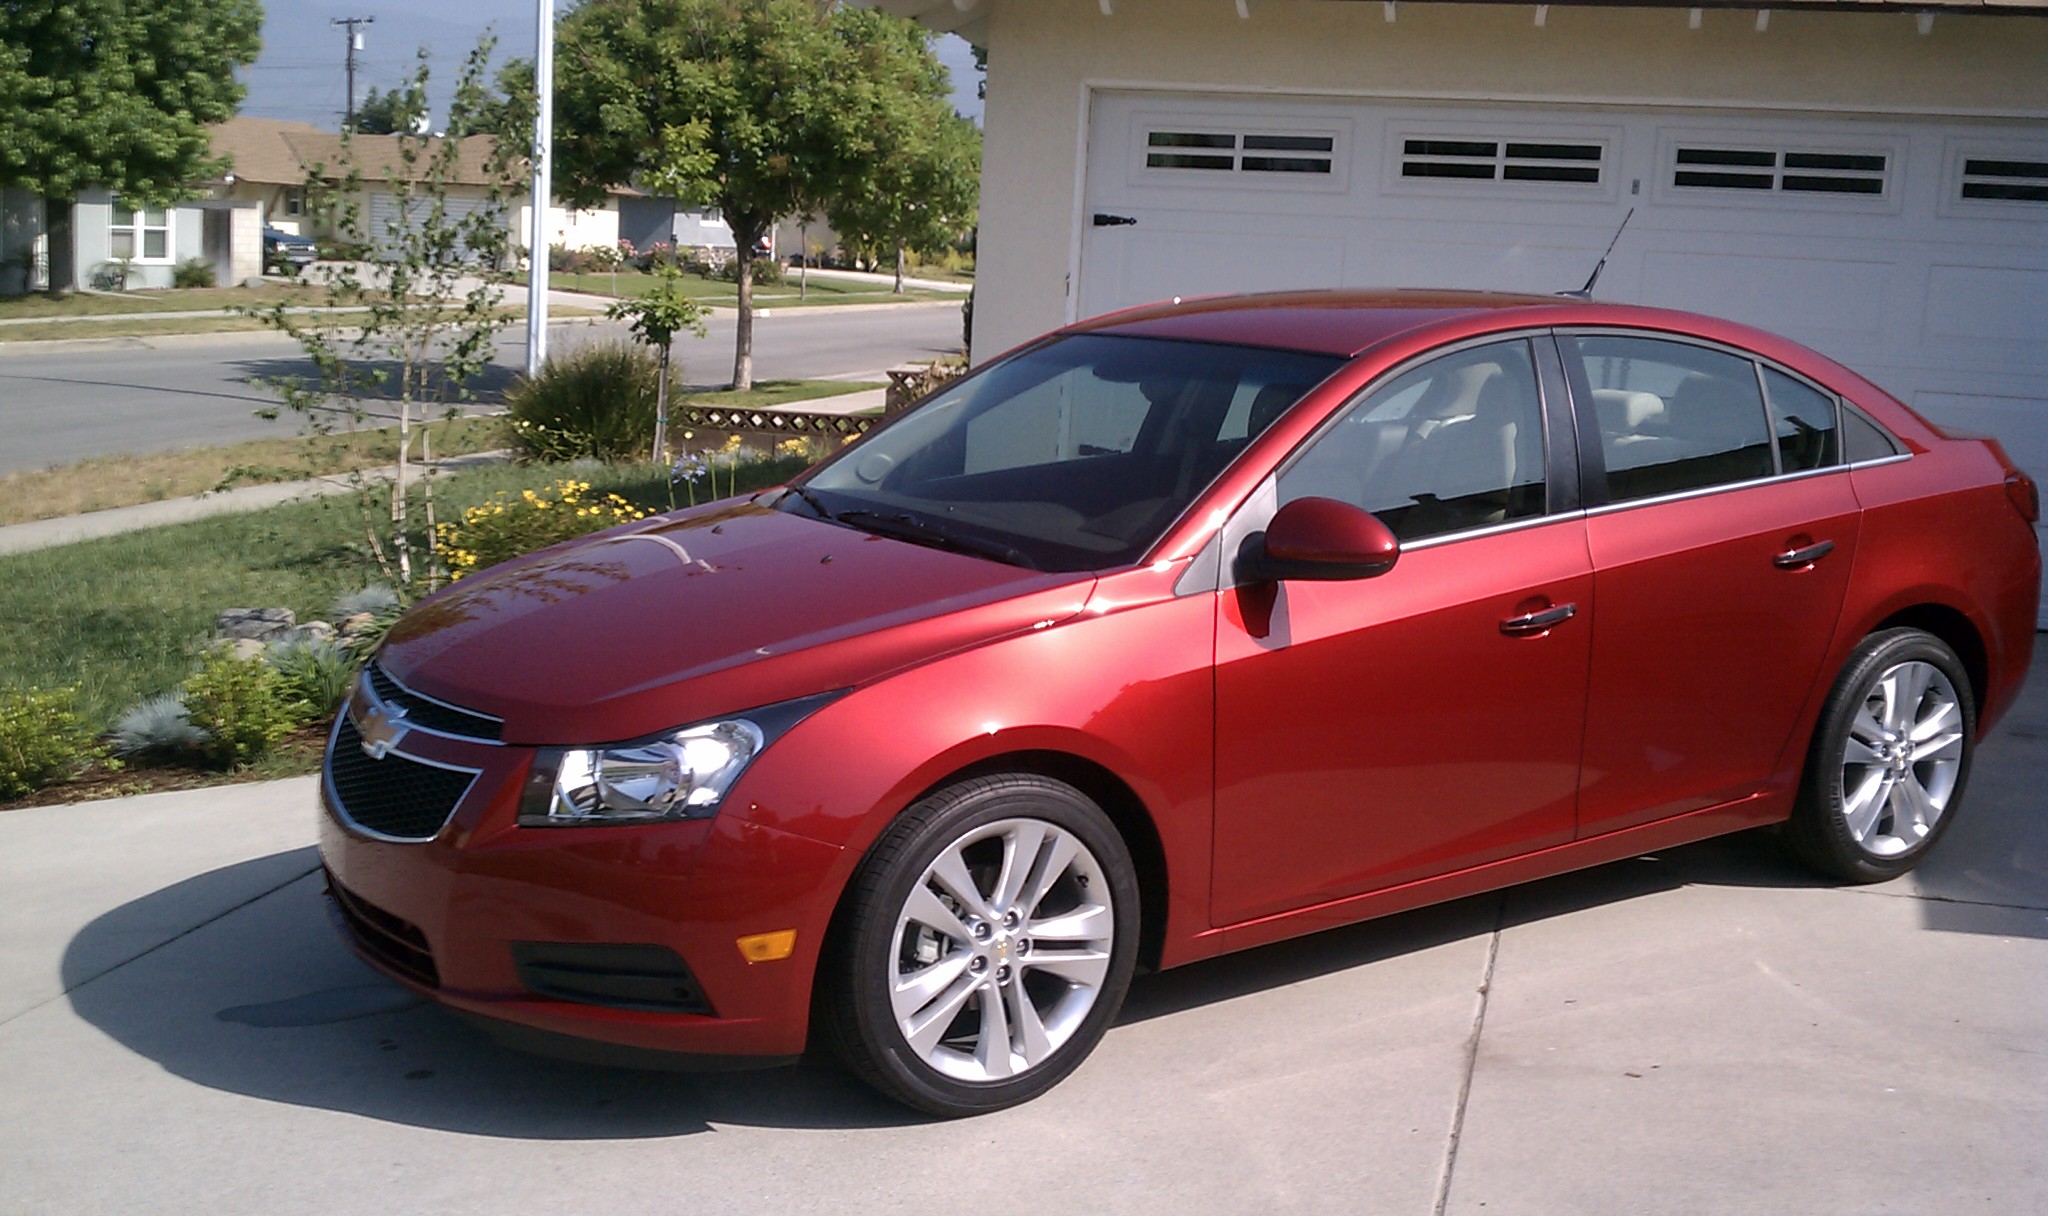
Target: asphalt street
{"x": 1707, "y": 1030}
{"x": 62, "y": 402}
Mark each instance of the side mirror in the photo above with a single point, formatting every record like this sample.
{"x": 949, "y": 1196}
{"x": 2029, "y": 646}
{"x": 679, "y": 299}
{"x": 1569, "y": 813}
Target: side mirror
{"x": 1318, "y": 538}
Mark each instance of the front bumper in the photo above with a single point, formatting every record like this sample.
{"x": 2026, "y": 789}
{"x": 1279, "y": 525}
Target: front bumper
{"x": 569, "y": 931}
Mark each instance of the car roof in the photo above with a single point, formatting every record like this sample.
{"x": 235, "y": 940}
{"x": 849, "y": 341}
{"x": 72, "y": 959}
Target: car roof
{"x": 1333, "y": 322}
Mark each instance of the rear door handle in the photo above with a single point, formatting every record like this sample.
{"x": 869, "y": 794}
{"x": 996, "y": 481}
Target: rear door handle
{"x": 1104, "y": 219}
{"x": 1799, "y": 559}
{"x": 1537, "y": 622}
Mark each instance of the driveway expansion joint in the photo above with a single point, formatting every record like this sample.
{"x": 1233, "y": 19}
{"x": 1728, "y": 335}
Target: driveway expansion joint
{"x": 1443, "y": 1182}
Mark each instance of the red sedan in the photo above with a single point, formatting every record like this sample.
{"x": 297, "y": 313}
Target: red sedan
{"x": 1178, "y": 631}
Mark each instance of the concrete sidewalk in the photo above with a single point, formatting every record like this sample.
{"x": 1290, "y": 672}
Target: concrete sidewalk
{"x": 1708, "y": 1030}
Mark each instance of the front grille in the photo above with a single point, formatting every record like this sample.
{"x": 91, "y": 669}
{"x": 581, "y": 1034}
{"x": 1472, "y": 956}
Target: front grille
{"x": 431, "y": 714}
{"x": 396, "y": 796}
{"x": 395, "y": 942}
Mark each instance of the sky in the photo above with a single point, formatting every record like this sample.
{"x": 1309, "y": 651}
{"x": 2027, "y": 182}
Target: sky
{"x": 300, "y": 73}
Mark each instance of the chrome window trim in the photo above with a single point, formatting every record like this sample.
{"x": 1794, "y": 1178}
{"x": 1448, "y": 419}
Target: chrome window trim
{"x": 1513, "y": 525}
{"x": 341, "y": 808}
{"x": 1723, "y": 488}
{"x": 1896, "y": 458}
{"x": 369, "y": 689}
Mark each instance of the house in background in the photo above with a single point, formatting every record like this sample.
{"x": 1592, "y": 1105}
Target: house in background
{"x": 1869, "y": 178}
{"x": 263, "y": 184}
{"x": 646, "y": 221}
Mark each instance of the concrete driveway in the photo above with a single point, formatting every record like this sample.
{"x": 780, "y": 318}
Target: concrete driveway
{"x": 1707, "y": 1030}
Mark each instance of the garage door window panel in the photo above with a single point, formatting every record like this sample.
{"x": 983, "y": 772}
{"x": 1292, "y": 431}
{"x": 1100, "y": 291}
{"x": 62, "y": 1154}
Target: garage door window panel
{"x": 1673, "y": 417}
{"x": 1500, "y": 160}
{"x": 1301, "y": 154}
{"x": 1452, "y": 445}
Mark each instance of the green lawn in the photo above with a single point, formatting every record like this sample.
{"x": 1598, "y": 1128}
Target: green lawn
{"x": 173, "y": 299}
{"x": 124, "y": 617}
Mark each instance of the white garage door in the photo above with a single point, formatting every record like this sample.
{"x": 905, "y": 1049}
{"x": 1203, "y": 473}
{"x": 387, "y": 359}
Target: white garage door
{"x": 385, "y": 212}
{"x": 1915, "y": 250}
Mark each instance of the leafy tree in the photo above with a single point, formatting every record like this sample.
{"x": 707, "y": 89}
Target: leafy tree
{"x": 427, "y": 305}
{"x": 381, "y": 113}
{"x": 757, "y": 107}
{"x": 921, "y": 187}
{"x": 115, "y": 93}
{"x": 505, "y": 112}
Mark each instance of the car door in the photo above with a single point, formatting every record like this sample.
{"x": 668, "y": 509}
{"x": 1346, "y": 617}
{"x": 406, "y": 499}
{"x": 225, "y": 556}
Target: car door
{"x": 1722, "y": 528}
{"x": 1377, "y": 731}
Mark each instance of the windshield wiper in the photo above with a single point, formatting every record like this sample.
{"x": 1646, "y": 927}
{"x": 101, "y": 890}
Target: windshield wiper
{"x": 811, "y": 500}
{"x": 918, "y": 531}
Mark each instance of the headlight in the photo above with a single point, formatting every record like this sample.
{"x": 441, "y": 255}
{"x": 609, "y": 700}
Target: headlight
{"x": 683, "y": 774}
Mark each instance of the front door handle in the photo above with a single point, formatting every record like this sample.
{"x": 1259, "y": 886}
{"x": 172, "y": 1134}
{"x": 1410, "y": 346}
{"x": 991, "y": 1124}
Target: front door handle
{"x": 1537, "y": 622}
{"x": 1799, "y": 559}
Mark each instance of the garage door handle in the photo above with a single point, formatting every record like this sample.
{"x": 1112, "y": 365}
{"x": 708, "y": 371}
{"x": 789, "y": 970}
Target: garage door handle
{"x": 1799, "y": 559}
{"x": 1104, "y": 219}
{"x": 1537, "y": 622}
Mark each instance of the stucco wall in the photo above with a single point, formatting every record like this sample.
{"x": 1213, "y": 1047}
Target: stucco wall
{"x": 1042, "y": 54}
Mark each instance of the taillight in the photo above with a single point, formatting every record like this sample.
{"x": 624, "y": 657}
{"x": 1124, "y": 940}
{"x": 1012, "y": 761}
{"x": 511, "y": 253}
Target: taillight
{"x": 2025, "y": 495}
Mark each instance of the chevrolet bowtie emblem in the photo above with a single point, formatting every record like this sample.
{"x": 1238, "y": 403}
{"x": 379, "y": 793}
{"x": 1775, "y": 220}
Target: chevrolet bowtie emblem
{"x": 381, "y": 729}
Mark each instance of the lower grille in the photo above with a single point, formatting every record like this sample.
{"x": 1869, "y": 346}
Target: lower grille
{"x": 395, "y": 942}
{"x": 397, "y": 796}
{"x": 621, "y": 976}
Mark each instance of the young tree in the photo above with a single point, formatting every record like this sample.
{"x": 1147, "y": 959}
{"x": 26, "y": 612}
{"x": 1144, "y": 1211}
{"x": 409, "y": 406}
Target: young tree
{"x": 756, "y": 107}
{"x": 427, "y": 300}
{"x": 655, "y": 319}
{"x": 115, "y": 93}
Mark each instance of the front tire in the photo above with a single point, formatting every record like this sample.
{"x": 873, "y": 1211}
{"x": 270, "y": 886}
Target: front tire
{"x": 1889, "y": 759}
{"x": 986, "y": 945}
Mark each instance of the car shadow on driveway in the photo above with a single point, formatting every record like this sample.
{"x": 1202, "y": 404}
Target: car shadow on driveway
{"x": 262, "y": 999}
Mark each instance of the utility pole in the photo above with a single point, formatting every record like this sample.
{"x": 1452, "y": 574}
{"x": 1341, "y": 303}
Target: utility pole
{"x": 355, "y": 43}
{"x": 543, "y": 171}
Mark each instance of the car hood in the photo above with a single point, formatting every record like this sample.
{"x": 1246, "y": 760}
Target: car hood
{"x": 708, "y": 612}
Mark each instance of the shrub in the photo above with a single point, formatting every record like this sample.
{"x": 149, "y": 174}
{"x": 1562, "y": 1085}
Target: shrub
{"x": 242, "y": 706}
{"x": 372, "y": 599}
{"x": 316, "y": 672}
{"x": 192, "y": 272}
{"x": 42, "y": 739}
{"x": 767, "y": 271}
{"x": 160, "y": 725}
{"x": 506, "y": 527}
{"x": 597, "y": 401}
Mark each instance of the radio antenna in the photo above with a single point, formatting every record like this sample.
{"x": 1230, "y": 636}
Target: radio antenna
{"x": 1586, "y": 292}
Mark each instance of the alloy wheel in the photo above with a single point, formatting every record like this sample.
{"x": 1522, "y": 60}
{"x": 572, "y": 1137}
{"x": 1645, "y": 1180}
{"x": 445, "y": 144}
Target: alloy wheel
{"x": 1901, "y": 758}
{"x": 1001, "y": 949}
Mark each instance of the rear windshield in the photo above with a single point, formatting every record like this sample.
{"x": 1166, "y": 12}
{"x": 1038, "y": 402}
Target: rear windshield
{"x": 1074, "y": 455}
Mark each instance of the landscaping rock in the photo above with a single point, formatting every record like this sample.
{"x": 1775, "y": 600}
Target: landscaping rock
{"x": 315, "y": 631}
{"x": 356, "y": 623}
{"x": 244, "y": 649}
{"x": 260, "y": 624}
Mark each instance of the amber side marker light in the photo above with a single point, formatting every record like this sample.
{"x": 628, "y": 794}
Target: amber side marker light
{"x": 2025, "y": 495}
{"x": 768, "y": 947}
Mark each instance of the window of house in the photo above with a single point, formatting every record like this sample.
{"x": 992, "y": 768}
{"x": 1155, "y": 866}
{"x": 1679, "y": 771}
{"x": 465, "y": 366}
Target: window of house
{"x": 1452, "y": 445}
{"x": 143, "y": 235}
{"x": 1674, "y": 417}
{"x": 295, "y": 200}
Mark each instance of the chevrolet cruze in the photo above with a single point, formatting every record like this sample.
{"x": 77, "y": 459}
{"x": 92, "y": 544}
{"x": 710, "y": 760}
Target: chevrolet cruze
{"x": 1178, "y": 631}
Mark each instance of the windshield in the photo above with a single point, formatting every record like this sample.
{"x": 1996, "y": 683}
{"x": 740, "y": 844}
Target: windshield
{"x": 1075, "y": 455}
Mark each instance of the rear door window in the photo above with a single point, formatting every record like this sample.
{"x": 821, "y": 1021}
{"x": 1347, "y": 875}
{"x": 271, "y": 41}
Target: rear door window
{"x": 1672, "y": 416}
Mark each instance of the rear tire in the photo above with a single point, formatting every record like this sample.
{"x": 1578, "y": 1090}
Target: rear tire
{"x": 1889, "y": 759}
{"x": 985, "y": 947}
